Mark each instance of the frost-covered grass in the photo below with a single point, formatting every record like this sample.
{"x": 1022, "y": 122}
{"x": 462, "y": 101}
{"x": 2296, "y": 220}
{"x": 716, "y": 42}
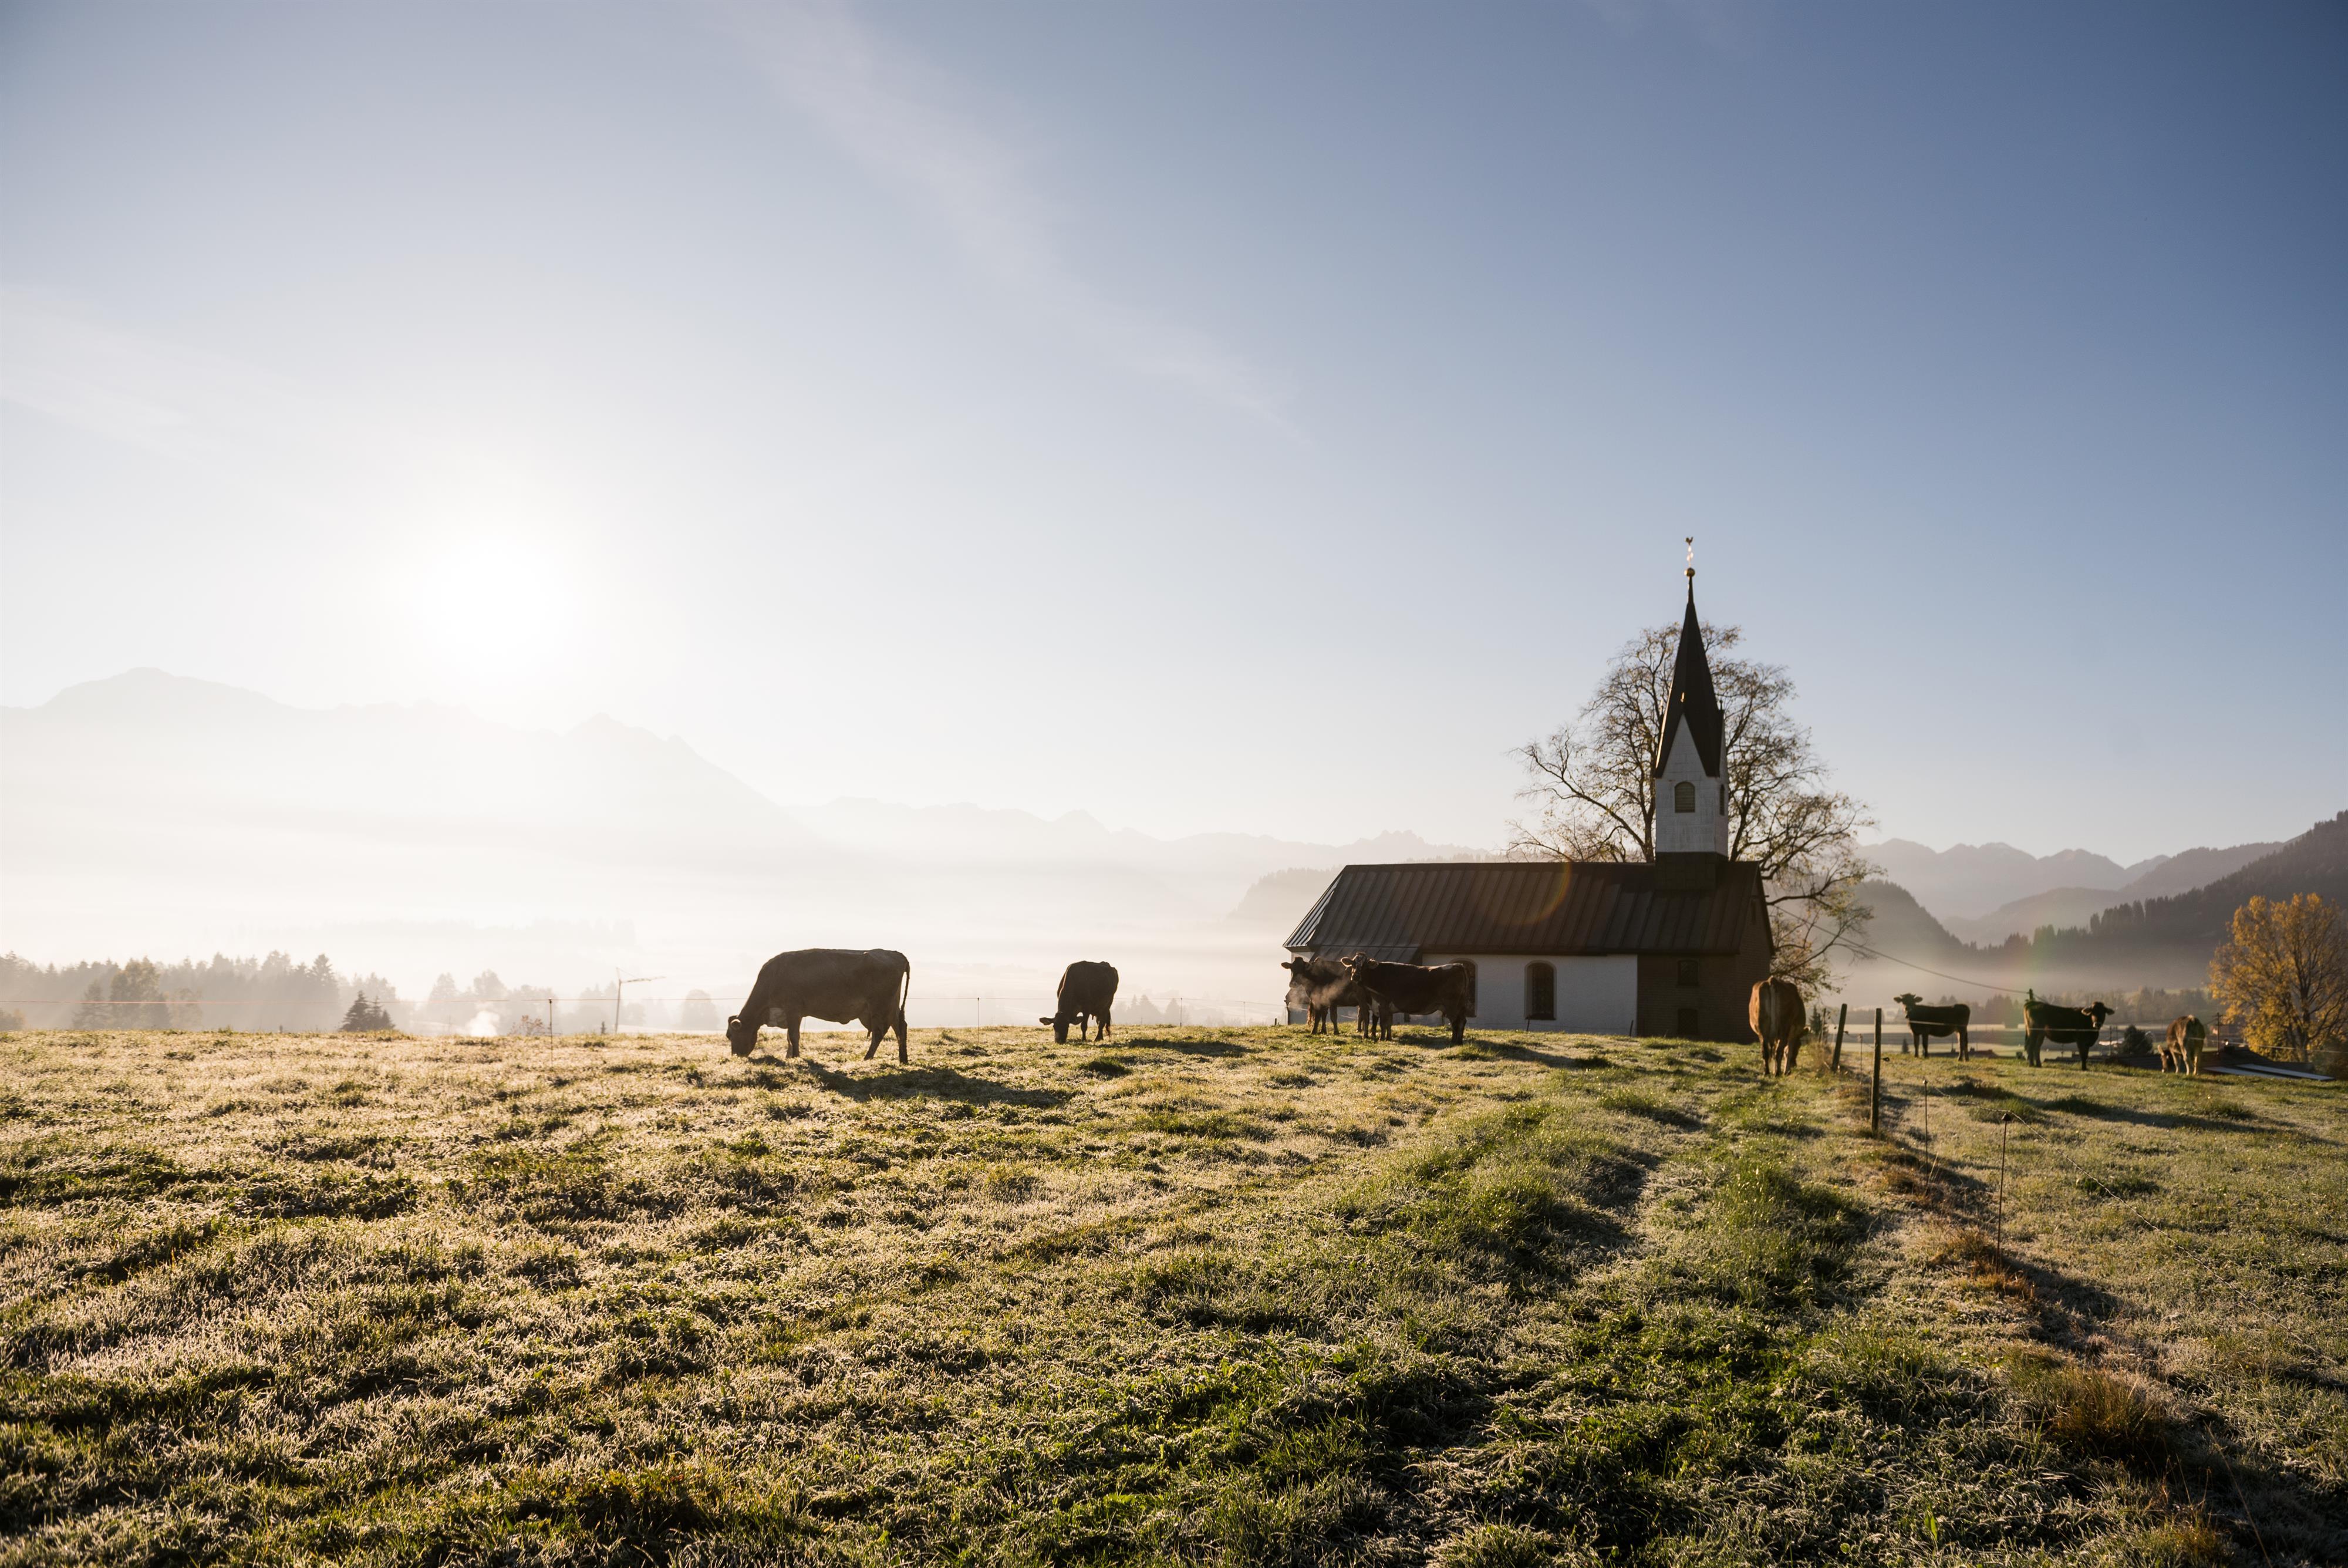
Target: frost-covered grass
{"x": 1229, "y": 1295}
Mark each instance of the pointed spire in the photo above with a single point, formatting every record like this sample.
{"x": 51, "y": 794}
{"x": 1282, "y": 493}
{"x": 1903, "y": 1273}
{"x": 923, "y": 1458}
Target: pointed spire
{"x": 1692, "y": 701}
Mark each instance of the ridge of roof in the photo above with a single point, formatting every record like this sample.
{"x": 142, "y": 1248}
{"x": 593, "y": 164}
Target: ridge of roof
{"x": 1552, "y": 907}
{"x": 1693, "y": 701}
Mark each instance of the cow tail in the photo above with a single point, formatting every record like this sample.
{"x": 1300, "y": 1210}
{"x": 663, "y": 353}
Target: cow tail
{"x": 904, "y": 992}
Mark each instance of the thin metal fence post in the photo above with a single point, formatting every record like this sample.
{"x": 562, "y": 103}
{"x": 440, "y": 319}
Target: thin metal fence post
{"x": 1842, "y": 1015}
{"x": 1875, "y": 1084}
{"x": 2004, "y": 1118}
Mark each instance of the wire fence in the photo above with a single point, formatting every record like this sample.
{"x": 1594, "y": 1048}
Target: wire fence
{"x": 539, "y": 1012}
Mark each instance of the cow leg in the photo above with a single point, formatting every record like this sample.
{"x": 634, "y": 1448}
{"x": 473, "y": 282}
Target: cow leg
{"x": 1104, "y": 1033}
{"x": 902, "y": 1058}
{"x": 1458, "y": 1028}
{"x": 1794, "y": 1052}
{"x": 792, "y": 1026}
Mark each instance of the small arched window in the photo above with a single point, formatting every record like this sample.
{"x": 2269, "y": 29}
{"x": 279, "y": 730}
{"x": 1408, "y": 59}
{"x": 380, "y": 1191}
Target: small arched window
{"x": 1683, "y": 796}
{"x": 1541, "y": 992}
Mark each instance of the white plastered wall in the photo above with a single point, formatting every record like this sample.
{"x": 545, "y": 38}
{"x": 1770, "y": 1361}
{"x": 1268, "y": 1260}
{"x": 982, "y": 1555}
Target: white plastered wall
{"x": 1688, "y": 832}
{"x": 1595, "y": 995}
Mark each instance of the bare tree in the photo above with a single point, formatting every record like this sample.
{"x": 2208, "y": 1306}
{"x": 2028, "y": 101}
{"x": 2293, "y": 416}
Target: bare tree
{"x": 1593, "y": 786}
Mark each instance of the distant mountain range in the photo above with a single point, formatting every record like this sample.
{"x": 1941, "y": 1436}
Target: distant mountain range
{"x": 2158, "y": 940}
{"x": 2075, "y": 906}
{"x": 1966, "y": 880}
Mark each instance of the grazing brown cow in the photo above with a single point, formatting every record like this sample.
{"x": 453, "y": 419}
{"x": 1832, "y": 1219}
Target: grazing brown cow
{"x": 1923, "y": 1023}
{"x": 1406, "y": 988}
{"x": 2043, "y": 1021}
{"x": 1321, "y": 987}
{"x": 1087, "y": 991}
{"x": 1775, "y": 1015}
{"x": 833, "y": 983}
{"x": 2181, "y": 1051}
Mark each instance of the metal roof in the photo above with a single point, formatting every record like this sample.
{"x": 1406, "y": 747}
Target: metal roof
{"x": 1557, "y": 907}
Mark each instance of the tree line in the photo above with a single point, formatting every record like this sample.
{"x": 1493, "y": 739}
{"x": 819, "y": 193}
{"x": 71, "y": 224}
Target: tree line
{"x": 272, "y": 993}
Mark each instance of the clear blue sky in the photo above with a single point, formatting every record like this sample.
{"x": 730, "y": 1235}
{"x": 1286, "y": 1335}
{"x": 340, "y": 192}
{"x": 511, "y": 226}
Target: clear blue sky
{"x": 1232, "y": 417}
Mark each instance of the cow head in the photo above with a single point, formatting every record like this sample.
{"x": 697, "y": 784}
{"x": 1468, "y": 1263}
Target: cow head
{"x": 1059, "y": 1029}
{"x": 1907, "y": 998}
{"x": 2098, "y": 1013}
{"x": 743, "y": 1036}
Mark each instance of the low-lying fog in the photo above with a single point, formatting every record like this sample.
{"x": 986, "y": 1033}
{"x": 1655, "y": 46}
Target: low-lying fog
{"x": 152, "y": 815}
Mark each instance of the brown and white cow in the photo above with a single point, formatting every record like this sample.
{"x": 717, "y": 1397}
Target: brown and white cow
{"x": 2181, "y": 1050}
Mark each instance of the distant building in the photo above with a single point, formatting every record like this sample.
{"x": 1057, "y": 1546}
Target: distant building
{"x": 1670, "y": 947}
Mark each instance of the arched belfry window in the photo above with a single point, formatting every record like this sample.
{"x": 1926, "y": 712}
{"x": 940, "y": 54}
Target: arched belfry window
{"x": 1540, "y": 991}
{"x": 1683, "y": 795}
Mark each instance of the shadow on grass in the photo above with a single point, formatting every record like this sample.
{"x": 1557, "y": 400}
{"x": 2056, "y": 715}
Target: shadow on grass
{"x": 932, "y": 1083}
{"x": 1504, "y": 1051}
{"x": 2080, "y": 1105}
{"x": 1187, "y": 1048}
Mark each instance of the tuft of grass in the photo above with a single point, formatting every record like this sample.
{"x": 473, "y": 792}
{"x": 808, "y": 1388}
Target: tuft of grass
{"x": 1988, "y": 1265}
{"x": 2090, "y": 1411}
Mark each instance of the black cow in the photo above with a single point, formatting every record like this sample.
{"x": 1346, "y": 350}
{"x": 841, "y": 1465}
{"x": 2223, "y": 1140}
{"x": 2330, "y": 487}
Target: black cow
{"x": 835, "y": 983}
{"x": 1087, "y": 991}
{"x": 2043, "y": 1021}
{"x": 1406, "y": 988}
{"x": 1925, "y": 1022}
{"x": 1321, "y": 987}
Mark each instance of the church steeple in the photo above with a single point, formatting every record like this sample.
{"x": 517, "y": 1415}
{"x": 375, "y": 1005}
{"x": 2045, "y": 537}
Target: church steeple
{"x": 1691, "y": 789}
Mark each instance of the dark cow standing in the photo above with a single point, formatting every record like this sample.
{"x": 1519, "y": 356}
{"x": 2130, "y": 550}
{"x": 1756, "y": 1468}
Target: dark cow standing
{"x": 1087, "y": 991}
{"x": 1775, "y": 1012}
{"x": 1924, "y": 1024}
{"x": 2181, "y": 1051}
{"x": 2043, "y": 1021}
{"x": 1406, "y": 988}
{"x": 1321, "y": 987}
{"x": 836, "y": 983}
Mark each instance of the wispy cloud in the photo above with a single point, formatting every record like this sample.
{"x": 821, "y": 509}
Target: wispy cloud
{"x": 264, "y": 433}
{"x": 161, "y": 397}
{"x": 899, "y": 120}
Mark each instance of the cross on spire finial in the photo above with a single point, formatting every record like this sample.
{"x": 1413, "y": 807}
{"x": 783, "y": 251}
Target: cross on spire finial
{"x": 1691, "y": 564}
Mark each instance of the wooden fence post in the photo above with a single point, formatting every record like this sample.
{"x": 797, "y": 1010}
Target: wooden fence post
{"x": 1875, "y": 1084}
{"x": 1842, "y": 1012}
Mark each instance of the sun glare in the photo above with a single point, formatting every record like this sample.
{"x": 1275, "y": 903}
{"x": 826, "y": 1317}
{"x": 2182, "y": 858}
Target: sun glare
{"x": 491, "y": 611}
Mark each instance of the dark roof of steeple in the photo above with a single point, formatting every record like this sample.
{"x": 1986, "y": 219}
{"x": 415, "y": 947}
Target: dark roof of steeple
{"x": 1692, "y": 700}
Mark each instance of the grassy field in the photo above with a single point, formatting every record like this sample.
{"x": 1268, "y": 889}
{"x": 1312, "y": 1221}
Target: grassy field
{"x": 1242, "y": 1297}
